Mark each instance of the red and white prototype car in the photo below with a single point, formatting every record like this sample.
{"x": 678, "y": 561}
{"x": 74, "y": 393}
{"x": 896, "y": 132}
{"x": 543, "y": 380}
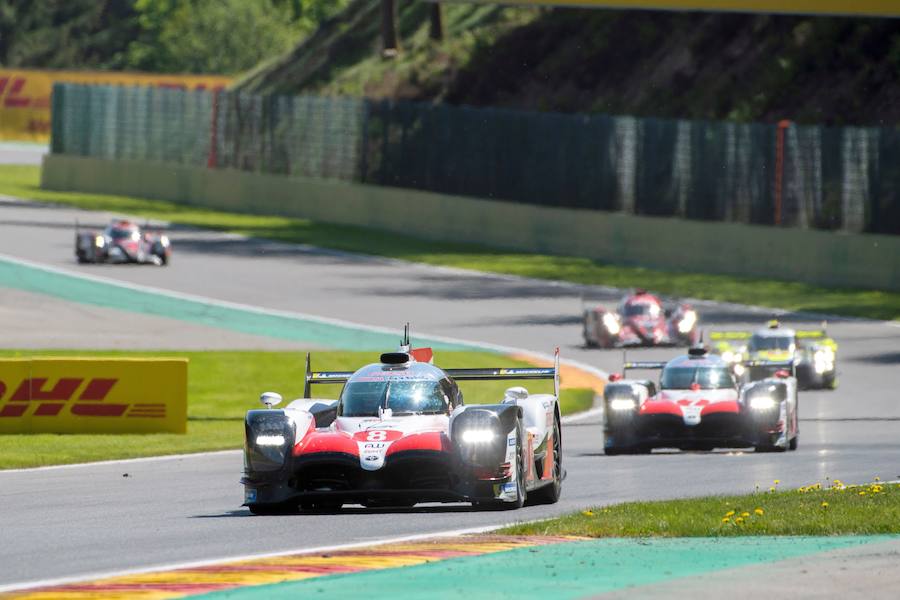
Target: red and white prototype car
{"x": 641, "y": 319}
{"x": 400, "y": 434}
{"x": 122, "y": 241}
{"x": 699, "y": 405}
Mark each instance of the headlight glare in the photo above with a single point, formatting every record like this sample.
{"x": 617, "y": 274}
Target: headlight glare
{"x": 687, "y": 322}
{"x": 270, "y": 440}
{"x": 762, "y": 403}
{"x": 611, "y": 323}
{"x": 622, "y": 404}
{"x": 477, "y": 436}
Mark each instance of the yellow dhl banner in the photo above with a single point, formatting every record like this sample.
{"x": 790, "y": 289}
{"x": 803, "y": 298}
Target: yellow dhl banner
{"x": 87, "y": 395}
{"x": 860, "y": 8}
{"x": 25, "y": 95}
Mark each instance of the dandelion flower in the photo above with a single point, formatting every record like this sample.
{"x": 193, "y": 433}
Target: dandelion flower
{"x": 739, "y": 520}
{"x": 877, "y": 478}
{"x": 777, "y": 481}
{"x": 725, "y": 519}
{"x": 745, "y": 514}
{"x": 862, "y": 493}
{"x": 771, "y": 489}
{"x": 824, "y": 505}
{"x": 588, "y": 513}
{"x": 759, "y": 511}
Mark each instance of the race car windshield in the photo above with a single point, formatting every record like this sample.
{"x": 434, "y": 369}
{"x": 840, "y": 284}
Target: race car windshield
{"x": 636, "y": 310}
{"x": 708, "y": 378}
{"x": 770, "y": 342}
{"x": 121, "y": 234}
{"x": 362, "y": 398}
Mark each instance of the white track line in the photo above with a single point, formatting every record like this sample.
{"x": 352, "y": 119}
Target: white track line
{"x": 227, "y": 559}
{"x": 120, "y": 461}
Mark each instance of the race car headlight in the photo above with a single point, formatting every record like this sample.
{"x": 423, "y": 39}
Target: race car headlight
{"x": 739, "y": 369}
{"x": 269, "y": 434}
{"x": 99, "y": 241}
{"x": 611, "y": 323}
{"x": 622, "y": 404}
{"x": 687, "y": 322}
{"x": 477, "y": 436}
{"x": 270, "y": 440}
{"x": 763, "y": 403}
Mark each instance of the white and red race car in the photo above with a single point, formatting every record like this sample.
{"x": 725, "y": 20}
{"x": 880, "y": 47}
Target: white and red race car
{"x": 399, "y": 434}
{"x": 700, "y": 405}
{"x": 641, "y": 319}
{"x": 122, "y": 241}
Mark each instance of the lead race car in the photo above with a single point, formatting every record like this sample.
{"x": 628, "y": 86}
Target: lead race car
{"x": 122, "y": 241}
{"x": 641, "y": 319}
{"x": 700, "y": 405}
{"x": 400, "y": 434}
{"x": 813, "y": 353}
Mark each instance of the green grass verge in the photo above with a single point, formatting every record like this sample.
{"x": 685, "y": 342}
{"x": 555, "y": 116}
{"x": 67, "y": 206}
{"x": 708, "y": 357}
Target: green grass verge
{"x": 23, "y": 182}
{"x": 839, "y": 510}
{"x": 222, "y": 386}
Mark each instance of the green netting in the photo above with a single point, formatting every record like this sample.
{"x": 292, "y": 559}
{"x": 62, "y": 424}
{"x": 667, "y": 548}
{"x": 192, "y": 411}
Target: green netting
{"x": 828, "y": 178}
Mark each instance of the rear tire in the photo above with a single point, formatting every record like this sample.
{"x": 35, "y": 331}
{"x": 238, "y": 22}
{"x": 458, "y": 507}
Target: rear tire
{"x": 795, "y": 441}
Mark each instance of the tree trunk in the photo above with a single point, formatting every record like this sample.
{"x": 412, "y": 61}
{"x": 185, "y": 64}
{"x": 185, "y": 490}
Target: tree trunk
{"x": 436, "y": 31}
{"x": 390, "y": 45}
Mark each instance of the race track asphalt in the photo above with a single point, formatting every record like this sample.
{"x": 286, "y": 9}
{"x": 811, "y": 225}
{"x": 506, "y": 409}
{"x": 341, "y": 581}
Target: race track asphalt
{"x": 88, "y": 519}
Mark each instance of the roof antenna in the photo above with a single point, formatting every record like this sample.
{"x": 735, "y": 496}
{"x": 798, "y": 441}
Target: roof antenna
{"x": 404, "y": 343}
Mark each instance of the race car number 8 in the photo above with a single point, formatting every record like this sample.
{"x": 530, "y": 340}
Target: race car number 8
{"x": 376, "y": 436}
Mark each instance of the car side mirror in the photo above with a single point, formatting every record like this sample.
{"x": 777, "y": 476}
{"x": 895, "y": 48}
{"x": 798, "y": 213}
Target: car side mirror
{"x": 270, "y": 399}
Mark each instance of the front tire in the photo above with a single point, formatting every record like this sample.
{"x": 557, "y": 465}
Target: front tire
{"x": 521, "y": 494}
{"x": 549, "y": 494}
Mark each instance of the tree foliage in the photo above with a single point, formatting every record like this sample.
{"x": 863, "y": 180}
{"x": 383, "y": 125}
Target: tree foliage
{"x": 200, "y": 36}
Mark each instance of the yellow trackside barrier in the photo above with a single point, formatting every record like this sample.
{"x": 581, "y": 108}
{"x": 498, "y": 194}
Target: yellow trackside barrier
{"x": 860, "y": 8}
{"x": 87, "y": 395}
{"x": 25, "y": 95}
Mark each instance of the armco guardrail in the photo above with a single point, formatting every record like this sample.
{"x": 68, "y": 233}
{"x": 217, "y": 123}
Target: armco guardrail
{"x": 819, "y": 257}
{"x": 803, "y": 176}
{"x": 93, "y": 395}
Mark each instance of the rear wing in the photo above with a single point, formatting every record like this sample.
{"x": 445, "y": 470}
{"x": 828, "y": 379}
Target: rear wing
{"x": 724, "y": 336}
{"x": 490, "y": 374}
{"x": 643, "y": 365}
{"x": 510, "y": 373}
{"x": 772, "y": 364}
{"x": 818, "y": 336}
{"x": 314, "y": 377}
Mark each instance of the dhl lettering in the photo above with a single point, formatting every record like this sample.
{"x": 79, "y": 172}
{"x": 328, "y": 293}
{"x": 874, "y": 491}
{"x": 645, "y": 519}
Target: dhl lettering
{"x": 33, "y": 389}
{"x": 14, "y": 99}
{"x": 51, "y": 400}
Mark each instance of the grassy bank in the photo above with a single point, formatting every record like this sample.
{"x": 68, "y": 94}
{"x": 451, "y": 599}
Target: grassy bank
{"x": 812, "y": 510}
{"x": 222, "y": 386}
{"x": 23, "y": 182}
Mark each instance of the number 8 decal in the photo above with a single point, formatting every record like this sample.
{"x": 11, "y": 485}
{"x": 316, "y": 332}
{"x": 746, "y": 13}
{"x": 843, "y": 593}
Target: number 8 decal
{"x": 377, "y": 436}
